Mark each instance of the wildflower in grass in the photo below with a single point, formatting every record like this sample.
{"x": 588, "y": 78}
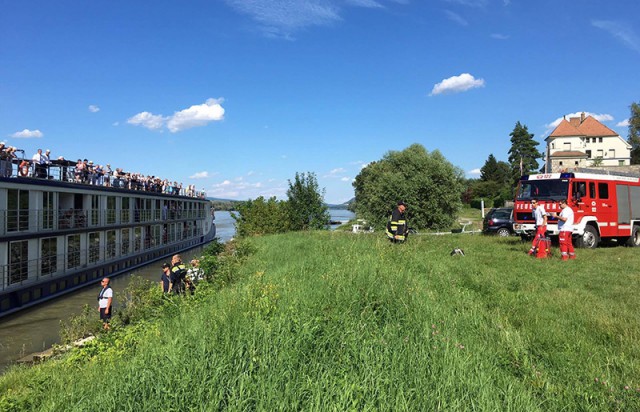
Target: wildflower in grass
{"x": 626, "y": 388}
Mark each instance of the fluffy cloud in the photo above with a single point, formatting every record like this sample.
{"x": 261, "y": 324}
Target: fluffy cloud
{"x": 195, "y": 116}
{"x": 199, "y": 175}
{"x": 93, "y": 108}
{"x": 457, "y": 84}
{"x": 149, "y": 120}
{"x": 474, "y": 172}
{"x": 28, "y": 134}
{"x": 238, "y": 188}
{"x": 624, "y": 123}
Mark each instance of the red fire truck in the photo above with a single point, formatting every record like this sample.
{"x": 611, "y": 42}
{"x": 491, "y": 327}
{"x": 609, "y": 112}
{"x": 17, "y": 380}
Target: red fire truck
{"x": 605, "y": 206}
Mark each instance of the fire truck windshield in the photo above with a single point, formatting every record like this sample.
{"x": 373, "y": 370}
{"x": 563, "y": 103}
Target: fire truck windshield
{"x": 551, "y": 189}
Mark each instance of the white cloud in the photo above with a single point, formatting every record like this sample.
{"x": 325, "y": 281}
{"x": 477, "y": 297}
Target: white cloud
{"x": 470, "y": 3}
{"x": 241, "y": 189}
{"x": 456, "y": 18}
{"x": 475, "y": 172}
{"x": 457, "y": 84}
{"x": 28, "y": 134}
{"x": 199, "y": 175}
{"x": 346, "y": 179}
{"x": 499, "y": 36}
{"x": 372, "y": 4}
{"x": 280, "y": 18}
{"x": 149, "y": 120}
{"x": 194, "y": 116}
{"x": 624, "y": 123}
{"x": 599, "y": 117}
{"x": 621, "y": 31}
{"x": 93, "y": 108}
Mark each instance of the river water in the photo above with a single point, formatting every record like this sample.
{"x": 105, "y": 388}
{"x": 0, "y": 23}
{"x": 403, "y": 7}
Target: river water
{"x": 38, "y": 328}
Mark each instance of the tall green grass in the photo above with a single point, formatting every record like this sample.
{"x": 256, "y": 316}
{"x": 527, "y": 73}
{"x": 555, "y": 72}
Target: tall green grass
{"x": 337, "y": 321}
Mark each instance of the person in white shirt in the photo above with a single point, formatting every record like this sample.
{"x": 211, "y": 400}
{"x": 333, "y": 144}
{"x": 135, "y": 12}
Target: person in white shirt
{"x": 105, "y": 299}
{"x": 540, "y": 216}
{"x": 565, "y": 226}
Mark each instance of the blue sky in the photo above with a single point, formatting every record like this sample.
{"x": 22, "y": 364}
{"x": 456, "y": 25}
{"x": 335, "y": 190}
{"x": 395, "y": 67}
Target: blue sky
{"x": 236, "y": 96}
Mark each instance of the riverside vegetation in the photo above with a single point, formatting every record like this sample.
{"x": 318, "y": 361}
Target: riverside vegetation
{"x": 336, "y": 321}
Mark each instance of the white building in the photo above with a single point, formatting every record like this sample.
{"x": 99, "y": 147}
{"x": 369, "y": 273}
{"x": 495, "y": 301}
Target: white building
{"x": 583, "y": 142}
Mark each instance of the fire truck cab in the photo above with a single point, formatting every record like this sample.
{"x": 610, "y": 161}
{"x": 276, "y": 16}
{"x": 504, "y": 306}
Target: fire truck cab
{"x": 605, "y": 206}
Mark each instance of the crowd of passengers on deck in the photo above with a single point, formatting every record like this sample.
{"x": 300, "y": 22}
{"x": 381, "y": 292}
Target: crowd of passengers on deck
{"x": 41, "y": 166}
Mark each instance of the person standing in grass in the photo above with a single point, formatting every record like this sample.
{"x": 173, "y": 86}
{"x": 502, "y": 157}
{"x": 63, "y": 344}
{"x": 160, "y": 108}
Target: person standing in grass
{"x": 178, "y": 275}
{"x": 397, "y": 230}
{"x": 165, "y": 279}
{"x": 540, "y": 216}
{"x": 105, "y": 299}
{"x": 565, "y": 226}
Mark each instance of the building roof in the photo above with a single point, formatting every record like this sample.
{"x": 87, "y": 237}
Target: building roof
{"x": 568, "y": 154}
{"x": 584, "y": 127}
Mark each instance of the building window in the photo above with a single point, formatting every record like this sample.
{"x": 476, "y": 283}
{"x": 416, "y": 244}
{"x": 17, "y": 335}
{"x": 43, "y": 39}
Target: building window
{"x": 111, "y": 244}
{"x": 94, "y": 247}
{"x": 560, "y": 163}
{"x": 125, "y": 242}
{"x": 18, "y": 261}
{"x": 599, "y": 139}
{"x": 587, "y": 140}
{"x": 567, "y": 146}
{"x": 73, "y": 251}
{"x": 575, "y": 163}
{"x": 612, "y": 152}
{"x": 111, "y": 210}
{"x": 600, "y": 153}
{"x": 620, "y": 162}
{"x": 553, "y": 145}
{"x": 137, "y": 239}
{"x": 588, "y": 154}
{"x": 48, "y": 256}
{"x": 17, "y": 210}
{"x": 47, "y": 210}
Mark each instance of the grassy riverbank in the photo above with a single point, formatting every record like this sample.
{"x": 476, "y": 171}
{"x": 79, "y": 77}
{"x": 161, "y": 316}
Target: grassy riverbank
{"x": 336, "y": 321}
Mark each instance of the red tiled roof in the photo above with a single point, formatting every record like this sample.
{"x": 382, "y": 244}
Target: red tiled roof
{"x": 592, "y": 127}
{"x": 587, "y": 128}
{"x": 565, "y": 129}
{"x": 568, "y": 154}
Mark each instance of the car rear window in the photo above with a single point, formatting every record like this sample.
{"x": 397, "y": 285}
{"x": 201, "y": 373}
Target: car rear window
{"x": 501, "y": 214}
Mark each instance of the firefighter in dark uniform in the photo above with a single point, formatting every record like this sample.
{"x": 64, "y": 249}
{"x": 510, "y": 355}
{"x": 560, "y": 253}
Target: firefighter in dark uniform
{"x": 178, "y": 275}
{"x": 397, "y": 230}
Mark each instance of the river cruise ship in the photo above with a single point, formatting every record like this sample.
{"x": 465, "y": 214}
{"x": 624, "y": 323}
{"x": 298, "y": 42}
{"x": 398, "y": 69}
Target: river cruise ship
{"x": 60, "y": 231}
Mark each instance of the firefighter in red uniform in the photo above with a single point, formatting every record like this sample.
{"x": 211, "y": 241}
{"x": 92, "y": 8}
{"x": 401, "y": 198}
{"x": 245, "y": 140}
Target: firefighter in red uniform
{"x": 565, "y": 226}
{"x": 540, "y": 216}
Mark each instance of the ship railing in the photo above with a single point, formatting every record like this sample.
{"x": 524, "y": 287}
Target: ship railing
{"x": 39, "y": 220}
{"x": 65, "y": 171}
{"x": 32, "y": 271}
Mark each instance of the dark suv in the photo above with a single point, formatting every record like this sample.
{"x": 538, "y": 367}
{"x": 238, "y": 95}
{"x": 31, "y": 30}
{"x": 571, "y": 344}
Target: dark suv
{"x": 499, "y": 221}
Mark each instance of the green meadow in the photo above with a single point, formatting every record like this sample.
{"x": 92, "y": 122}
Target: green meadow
{"x": 333, "y": 321}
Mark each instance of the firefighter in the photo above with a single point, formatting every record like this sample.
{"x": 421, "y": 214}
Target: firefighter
{"x": 565, "y": 226}
{"x": 540, "y": 216}
{"x": 397, "y": 229}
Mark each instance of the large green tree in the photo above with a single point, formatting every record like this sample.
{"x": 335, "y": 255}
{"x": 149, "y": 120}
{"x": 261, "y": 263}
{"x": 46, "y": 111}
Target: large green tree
{"x": 496, "y": 171}
{"x": 634, "y": 133}
{"x": 261, "y": 217}
{"x": 523, "y": 151}
{"x": 427, "y": 182}
{"x": 307, "y": 209}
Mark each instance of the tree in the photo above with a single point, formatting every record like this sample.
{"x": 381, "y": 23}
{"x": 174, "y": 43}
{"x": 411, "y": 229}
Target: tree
{"x": 261, "y": 217}
{"x": 523, "y": 151}
{"x": 496, "y": 171}
{"x": 307, "y": 209}
{"x": 634, "y": 133}
{"x": 427, "y": 182}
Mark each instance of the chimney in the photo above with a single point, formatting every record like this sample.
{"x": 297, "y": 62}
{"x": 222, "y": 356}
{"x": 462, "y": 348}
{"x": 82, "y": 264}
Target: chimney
{"x": 582, "y": 116}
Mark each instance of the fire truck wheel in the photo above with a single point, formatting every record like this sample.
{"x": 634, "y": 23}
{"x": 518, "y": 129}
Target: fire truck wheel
{"x": 634, "y": 239}
{"x": 589, "y": 239}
